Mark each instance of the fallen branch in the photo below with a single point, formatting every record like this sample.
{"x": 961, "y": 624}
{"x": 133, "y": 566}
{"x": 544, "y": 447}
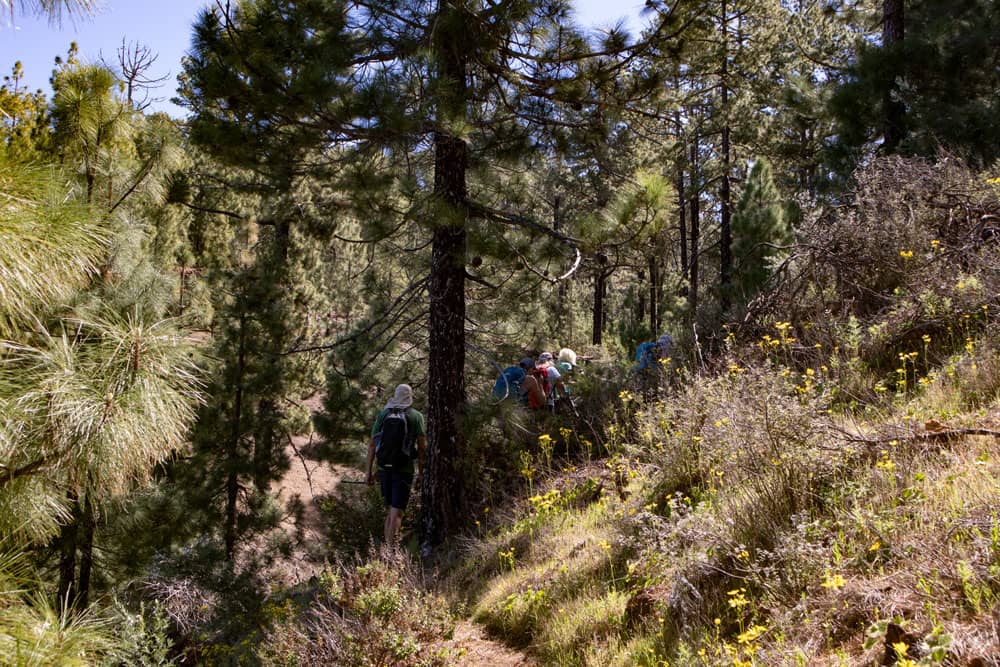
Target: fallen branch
{"x": 930, "y": 436}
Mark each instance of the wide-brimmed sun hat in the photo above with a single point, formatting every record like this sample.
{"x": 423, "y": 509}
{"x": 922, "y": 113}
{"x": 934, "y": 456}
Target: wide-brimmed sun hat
{"x": 402, "y": 398}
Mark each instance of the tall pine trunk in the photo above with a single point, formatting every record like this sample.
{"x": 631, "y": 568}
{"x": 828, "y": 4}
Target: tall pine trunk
{"x": 88, "y": 526}
{"x": 725, "y": 227}
{"x": 232, "y": 479}
{"x": 597, "y": 321}
{"x": 641, "y": 309}
{"x": 67, "y": 554}
{"x": 655, "y": 293}
{"x": 442, "y": 494}
{"x": 557, "y": 226}
{"x": 695, "y": 232}
{"x": 265, "y": 445}
{"x": 894, "y": 111}
{"x": 682, "y": 220}
{"x": 442, "y": 489}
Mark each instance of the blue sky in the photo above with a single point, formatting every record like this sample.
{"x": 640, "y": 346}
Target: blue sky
{"x": 164, "y": 26}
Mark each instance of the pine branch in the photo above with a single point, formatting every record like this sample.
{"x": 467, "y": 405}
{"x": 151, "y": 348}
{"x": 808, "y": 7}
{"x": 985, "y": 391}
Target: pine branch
{"x": 8, "y": 475}
{"x": 404, "y": 299}
{"x": 496, "y": 215}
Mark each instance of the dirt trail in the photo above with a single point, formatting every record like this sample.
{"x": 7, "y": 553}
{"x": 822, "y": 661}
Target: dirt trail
{"x": 471, "y": 648}
{"x": 311, "y": 481}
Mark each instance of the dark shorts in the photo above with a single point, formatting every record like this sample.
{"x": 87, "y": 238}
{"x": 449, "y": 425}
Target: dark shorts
{"x": 395, "y": 487}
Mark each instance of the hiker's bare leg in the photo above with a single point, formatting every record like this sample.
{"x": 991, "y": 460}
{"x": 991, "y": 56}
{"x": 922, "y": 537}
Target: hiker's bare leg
{"x": 393, "y": 522}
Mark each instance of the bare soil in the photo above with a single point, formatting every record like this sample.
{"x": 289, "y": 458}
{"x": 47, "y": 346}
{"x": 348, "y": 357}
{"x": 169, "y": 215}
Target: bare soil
{"x": 308, "y": 481}
{"x": 471, "y": 648}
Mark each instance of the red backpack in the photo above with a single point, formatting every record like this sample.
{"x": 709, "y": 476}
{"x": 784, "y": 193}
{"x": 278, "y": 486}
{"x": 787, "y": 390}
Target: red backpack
{"x": 538, "y": 399}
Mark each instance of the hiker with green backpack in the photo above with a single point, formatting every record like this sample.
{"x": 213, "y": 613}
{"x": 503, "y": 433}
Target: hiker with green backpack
{"x": 398, "y": 439}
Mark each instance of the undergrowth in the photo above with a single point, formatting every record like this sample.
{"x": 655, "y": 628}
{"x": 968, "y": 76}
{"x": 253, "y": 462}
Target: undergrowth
{"x": 821, "y": 490}
{"x": 751, "y": 523}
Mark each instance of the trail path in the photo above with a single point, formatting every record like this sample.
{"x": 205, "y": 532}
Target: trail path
{"x": 311, "y": 481}
{"x": 472, "y": 649}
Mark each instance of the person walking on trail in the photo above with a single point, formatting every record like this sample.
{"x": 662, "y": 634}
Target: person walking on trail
{"x": 556, "y": 387}
{"x": 534, "y": 387}
{"x": 399, "y": 438}
{"x": 566, "y": 361}
{"x": 651, "y": 356}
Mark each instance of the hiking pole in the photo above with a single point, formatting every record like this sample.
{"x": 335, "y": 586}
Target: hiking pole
{"x": 572, "y": 404}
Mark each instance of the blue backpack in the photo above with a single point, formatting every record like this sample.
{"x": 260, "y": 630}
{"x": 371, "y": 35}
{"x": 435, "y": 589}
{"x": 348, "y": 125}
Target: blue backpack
{"x": 509, "y": 383}
{"x": 646, "y": 355}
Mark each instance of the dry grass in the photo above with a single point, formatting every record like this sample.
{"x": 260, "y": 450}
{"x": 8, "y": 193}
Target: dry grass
{"x": 756, "y": 527}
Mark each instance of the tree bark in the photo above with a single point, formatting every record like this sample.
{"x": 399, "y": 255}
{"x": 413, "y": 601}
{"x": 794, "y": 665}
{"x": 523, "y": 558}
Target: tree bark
{"x": 695, "y": 231}
{"x": 557, "y": 226}
{"x": 264, "y": 446}
{"x": 88, "y": 526}
{"x": 682, "y": 220}
{"x": 233, "y": 480}
{"x": 655, "y": 292}
{"x": 597, "y": 336}
{"x": 894, "y": 111}
{"x": 67, "y": 554}
{"x": 725, "y": 228}
{"x": 443, "y": 493}
{"x": 641, "y": 310}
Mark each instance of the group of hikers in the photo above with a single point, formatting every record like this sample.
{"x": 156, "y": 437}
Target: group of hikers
{"x": 537, "y": 383}
{"x": 398, "y": 434}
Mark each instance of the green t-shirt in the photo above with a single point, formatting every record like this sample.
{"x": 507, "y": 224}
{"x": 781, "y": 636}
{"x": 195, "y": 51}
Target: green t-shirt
{"x": 414, "y": 429}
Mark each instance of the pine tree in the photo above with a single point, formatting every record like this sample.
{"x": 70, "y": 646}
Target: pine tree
{"x": 24, "y": 117}
{"x": 91, "y": 398}
{"x": 89, "y": 404}
{"x": 417, "y": 99}
{"x": 928, "y": 85}
{"x": 760, "y": 230}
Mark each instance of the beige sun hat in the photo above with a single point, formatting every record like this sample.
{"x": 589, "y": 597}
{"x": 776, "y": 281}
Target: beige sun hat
{"x": 402, "y": 398}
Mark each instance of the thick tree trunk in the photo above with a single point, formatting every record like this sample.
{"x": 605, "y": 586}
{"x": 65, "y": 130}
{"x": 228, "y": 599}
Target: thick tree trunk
{"x": 443, "y": 490}
{"x": 443, "y": 493}
{"x": 894, "y": 111}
